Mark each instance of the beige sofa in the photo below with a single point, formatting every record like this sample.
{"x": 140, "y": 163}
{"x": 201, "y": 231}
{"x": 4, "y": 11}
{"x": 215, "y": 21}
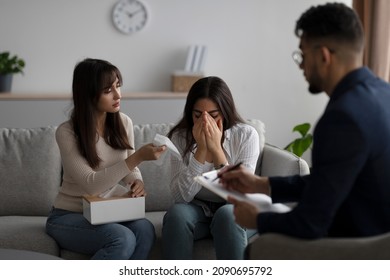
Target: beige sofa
{"x": 30, "y": 176}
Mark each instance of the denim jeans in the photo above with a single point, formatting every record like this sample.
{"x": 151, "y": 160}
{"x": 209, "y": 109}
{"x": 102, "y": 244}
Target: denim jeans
{"x": 185, "y": 223}
{"x": 113, "y": 241}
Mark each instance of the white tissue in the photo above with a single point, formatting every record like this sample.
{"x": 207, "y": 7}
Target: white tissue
{"x": 160, "y": 140}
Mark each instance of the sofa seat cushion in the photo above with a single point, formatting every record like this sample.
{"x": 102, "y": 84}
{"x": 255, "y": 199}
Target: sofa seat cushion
{"x": 14, "y": 254}
{"x": 26, "y": 233}
{"x": 30, "y": 171}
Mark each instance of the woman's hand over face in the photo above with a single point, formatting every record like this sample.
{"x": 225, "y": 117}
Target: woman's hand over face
{"x": 198, "y": 133}
{"x": 213, "y": 129}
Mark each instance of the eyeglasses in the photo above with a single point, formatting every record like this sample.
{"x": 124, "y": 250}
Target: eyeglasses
{"x": 297, "y": 56}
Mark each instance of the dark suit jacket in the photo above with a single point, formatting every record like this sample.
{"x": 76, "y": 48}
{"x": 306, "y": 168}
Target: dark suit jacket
{"x": 348, "y": 190}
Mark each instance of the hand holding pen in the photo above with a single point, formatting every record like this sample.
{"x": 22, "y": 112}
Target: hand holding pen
{"x": 226, "y": 169}
{"x": 243, "y": 180}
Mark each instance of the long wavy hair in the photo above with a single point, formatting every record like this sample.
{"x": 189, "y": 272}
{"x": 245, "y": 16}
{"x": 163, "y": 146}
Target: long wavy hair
{"x": 90, "y": 78}
{"x": 216, "y": 90}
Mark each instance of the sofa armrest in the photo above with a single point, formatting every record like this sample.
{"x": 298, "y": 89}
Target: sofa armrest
{"x": 278, "y": 162}
{"x": 272, "y": 246}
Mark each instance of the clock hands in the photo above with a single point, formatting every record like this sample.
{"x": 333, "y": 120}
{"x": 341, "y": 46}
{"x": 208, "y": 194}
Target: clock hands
{"x": 133, "y": 13}
{"x": 129, "y": 16}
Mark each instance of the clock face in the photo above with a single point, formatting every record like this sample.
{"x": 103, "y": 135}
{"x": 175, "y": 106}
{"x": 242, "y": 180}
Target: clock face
{"x": 129, "y": 16}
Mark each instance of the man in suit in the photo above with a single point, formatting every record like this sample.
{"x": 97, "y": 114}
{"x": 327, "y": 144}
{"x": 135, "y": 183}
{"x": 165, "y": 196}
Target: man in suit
{"x": 348, "y": 190}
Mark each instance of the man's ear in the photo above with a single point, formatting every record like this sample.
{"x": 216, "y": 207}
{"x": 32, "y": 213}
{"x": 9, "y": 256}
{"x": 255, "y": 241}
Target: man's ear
{"x": 326, "y": 55}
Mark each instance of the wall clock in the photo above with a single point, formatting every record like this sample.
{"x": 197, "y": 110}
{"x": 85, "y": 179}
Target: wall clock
{"x": 129, "y": 16}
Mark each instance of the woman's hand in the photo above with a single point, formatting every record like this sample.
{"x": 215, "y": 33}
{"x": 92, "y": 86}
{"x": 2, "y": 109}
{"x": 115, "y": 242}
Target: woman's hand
{"x": 146, "y": 152}
{"x": 213, "y": 133}
{"x": 150, "y": 152}
{"x": 198, "y": 133}
{"x": 137, "y": 189}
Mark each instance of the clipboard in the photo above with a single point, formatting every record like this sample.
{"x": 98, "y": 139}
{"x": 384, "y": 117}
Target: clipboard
{"x": 261, "y": 200}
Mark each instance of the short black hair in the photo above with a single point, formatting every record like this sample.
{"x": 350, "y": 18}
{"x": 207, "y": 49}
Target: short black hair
{"x": 334, "y": 21}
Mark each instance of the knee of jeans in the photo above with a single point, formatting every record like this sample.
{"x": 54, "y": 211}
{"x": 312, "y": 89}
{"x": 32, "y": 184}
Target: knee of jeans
{"x": 125, "y": 240}
{"x": 145, "y": 228}
{"x": 176, "y": 214}
{"x": 224, "y": 216}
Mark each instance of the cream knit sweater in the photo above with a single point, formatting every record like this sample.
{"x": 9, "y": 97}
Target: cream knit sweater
{"x": 80, "y": 179}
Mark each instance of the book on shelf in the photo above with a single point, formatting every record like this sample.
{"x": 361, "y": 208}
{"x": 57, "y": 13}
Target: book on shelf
{"x": 196, "y": 57}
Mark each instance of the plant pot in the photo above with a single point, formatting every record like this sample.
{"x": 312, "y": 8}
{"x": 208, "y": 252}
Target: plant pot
{"x": 5, "y": 82}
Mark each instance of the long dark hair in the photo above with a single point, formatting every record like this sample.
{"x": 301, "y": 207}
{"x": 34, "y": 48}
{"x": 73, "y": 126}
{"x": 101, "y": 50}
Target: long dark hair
{"x": 90, "y": 78}
{"x": 215, "y": 89}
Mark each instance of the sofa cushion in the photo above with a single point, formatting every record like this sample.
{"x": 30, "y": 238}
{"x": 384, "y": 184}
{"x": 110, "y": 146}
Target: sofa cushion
{"x": 155, "y": 176}
{"x": 30, "y": 171}
{"x": 26, "y": 233}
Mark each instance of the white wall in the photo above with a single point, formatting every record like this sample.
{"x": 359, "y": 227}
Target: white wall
{"x": 249, "y": 42}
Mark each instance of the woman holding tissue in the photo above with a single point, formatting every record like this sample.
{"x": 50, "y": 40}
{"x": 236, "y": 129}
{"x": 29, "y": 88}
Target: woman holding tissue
{"x": 210, "y": 135}
{"x": 97, "y": 151}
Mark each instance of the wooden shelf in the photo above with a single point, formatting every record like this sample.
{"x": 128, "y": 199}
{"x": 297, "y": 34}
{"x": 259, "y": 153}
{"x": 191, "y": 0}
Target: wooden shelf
{"x": 64, "y": 96}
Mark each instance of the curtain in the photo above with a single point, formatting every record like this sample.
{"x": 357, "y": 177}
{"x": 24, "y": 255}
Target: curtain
{"x": 375, "y": 17}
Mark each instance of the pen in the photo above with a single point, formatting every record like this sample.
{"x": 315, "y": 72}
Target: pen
{"x": 229, "y": 169}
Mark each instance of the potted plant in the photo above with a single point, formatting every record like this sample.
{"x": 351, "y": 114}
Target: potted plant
{"x": 301, "y": 144}
{"x": 9, "y": 65}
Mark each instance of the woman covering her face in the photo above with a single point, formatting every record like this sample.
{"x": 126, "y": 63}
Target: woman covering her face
{"x": 210, "y": 135}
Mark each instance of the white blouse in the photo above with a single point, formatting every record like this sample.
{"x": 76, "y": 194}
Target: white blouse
{"x": 241, "y": 144}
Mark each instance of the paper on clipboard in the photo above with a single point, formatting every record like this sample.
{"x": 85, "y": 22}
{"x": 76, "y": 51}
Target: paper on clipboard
{"x": 261, "y": 200}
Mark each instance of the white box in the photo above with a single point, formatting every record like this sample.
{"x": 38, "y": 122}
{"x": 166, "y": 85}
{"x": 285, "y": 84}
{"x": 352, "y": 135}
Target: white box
{"x": 99, "y": 210}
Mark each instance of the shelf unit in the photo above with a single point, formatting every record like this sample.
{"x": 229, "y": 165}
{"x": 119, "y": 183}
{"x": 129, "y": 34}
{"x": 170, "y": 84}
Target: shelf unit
{"x": 68, "y": 96}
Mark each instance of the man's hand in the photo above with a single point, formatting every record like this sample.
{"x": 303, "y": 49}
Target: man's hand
{"x": 245, "y": 213}
{"x": 244, "y": 181}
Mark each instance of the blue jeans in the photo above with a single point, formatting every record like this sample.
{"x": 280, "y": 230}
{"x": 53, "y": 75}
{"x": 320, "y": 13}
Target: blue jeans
{"x": 113, "y": 241}
{"x": 185, "y": 223}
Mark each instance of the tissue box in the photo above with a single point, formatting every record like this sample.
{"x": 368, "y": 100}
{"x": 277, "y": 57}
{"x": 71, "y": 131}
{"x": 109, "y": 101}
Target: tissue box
{"x": 183, "y": 82}
{"x": 99, "y": 210}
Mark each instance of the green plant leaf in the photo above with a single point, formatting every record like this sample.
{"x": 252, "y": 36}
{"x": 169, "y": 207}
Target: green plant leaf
{"x": 289, "y": 147}
{"x": 11, "y": 65}
{"x": 300, "y": 145}
{"x": 302, "y": 128}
